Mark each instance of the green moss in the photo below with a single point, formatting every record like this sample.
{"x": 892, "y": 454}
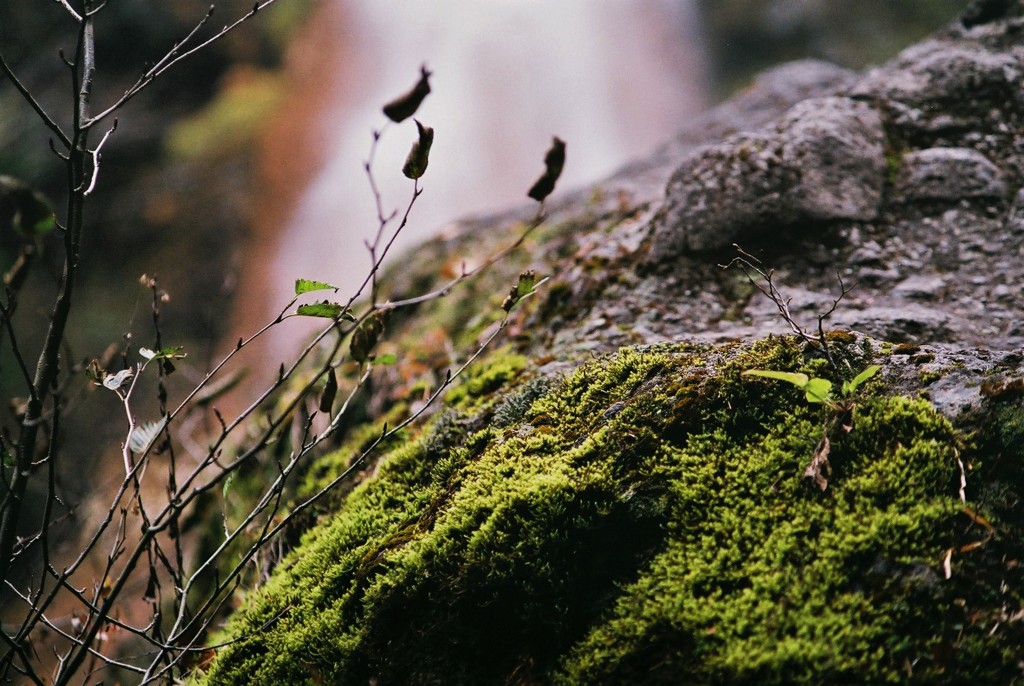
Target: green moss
{"x": 893, "y": 163}
{"x": 643, "y": 520}
{"x": 481, "y": 381}
{"x": 840, "y": 336}
{"x": 359, "y": 441}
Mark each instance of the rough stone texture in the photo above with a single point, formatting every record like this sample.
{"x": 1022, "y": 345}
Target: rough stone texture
{"x": 948, "y": 206}
{"x": 822, "y": 161}
{"x": 948, "y": 174}
{"x": 945, "y": 84}
{"x": 935, "y": 259}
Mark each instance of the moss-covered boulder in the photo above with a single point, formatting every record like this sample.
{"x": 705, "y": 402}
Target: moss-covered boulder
{"x": 644, "y": 519}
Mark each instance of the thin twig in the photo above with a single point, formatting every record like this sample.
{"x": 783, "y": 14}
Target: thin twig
{"x": 44, "y": 117}
{"x": 96, "y": 159}
{"x": 176, "y": 55}
{"x": 764, "y": 282}
{"x": 74, "y": 15}
{"x": 464, "y": 274}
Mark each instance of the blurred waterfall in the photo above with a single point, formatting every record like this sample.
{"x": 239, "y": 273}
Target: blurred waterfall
{"x": 611, "y": 77}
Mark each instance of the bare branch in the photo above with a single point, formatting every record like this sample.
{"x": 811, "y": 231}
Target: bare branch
{"x": 175, "y": 55}
{"x": 763, "y": 279}
{"x": 485, "y": 265}
{"x": 44, "y": 117}
{"x": 74, "y": 15}
{"x": 133, "y": 538}
{"x": 96, "y": 159}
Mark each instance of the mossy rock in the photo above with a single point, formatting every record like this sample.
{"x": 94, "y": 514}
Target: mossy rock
{"x": 645, "y": 520}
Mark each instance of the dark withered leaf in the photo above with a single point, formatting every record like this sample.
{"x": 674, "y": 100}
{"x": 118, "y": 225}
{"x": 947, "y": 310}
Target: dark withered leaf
{"x": 554, "y": 161}
{"x": 330, "y": 391}
{"x": 819, "y": 469}
{"x": 366, "y": 335}
{"x": 846, "y": 420}
{"x": 404, "y": 106}
{"x": 95, "y": 372}
{"x": 416, "y": 162}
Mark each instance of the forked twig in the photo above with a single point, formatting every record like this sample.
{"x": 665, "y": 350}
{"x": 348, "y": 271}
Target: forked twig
{"x": 763, "y": 279}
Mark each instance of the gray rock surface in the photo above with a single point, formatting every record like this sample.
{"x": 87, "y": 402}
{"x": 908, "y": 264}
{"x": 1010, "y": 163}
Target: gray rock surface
{"x": 822, "y": 161}
{"x": 902, "y": 185}
{"x": 946, "y": 83}
{"x": 947, "y": 174}
{"x": 936, "y": 255}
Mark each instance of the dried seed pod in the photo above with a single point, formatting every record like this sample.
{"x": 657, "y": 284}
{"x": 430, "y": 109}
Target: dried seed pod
{"x": 554, "y": 160}
{"x": 366, "y": 335}
{"x": 330, "y": 391}
{"x": 416, "y": 162}
{"x": 405, "y": 106}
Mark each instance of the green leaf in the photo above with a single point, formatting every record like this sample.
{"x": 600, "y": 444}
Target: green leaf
{"x": 308, "y": 286}
{"x": 228, "y": 480}
{"x": 325, "y": 309}
{"x": 818, "y": 390}
{"x": 850, "y": 386}
{"x": 796, "y": 378}
{"x": 526, "y": 285}
{"x": 387, "y": 358}
{"x": 170, "y": 353}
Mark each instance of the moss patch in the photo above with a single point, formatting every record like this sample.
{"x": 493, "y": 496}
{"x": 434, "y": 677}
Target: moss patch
{"x": 643, "y": 520}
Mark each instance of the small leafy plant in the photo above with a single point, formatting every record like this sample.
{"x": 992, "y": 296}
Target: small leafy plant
{"x": 818, "y": 390}
{"x": 815, "y": 389}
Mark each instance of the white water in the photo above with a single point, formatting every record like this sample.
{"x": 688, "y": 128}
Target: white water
{"x": 611, "y": 77}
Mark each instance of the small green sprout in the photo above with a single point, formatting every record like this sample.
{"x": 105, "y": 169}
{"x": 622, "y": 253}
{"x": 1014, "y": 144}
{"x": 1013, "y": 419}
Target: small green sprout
{"x": 526, "y": 286}
{"x": 819, "y": 390}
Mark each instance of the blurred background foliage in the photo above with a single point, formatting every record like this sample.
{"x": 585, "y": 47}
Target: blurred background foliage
{"x": 175, "y": 186}
{"x": 175, "y": 194}
{"x": 178, "y": 189}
